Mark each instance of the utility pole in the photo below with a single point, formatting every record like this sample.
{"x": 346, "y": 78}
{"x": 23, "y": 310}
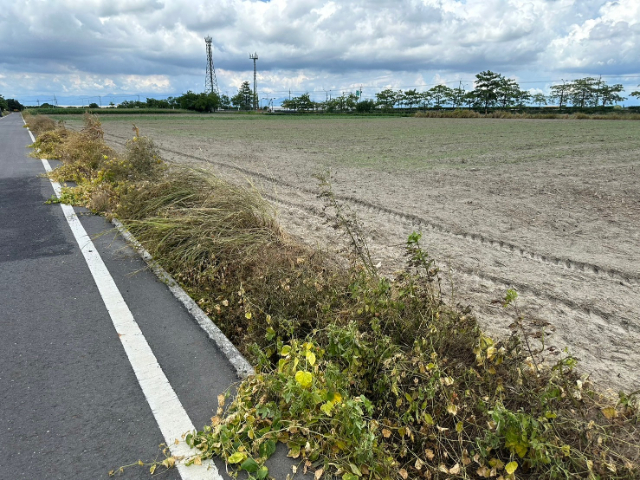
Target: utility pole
{"x": 254, "y": 57}
{"x": 210, "y": 80}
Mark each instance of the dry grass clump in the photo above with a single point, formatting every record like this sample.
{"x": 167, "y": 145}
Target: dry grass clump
{"x": 459, "y": 113}
{"x": 223, "y": 243}
{"x": 359, "y": 375}
{"x": 39, "y": 123}
{"x": 503, "y": 114}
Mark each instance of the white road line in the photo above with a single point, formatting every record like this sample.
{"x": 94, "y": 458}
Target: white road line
{"x": 165, "y": 405}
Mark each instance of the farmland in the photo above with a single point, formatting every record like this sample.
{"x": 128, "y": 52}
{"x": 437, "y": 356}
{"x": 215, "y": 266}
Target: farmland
{"x": 548, "y": 207}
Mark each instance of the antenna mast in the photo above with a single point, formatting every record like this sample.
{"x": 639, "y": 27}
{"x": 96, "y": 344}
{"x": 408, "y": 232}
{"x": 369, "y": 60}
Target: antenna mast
{"x": 210, "y": 80}
{"x": 254, "y": 57}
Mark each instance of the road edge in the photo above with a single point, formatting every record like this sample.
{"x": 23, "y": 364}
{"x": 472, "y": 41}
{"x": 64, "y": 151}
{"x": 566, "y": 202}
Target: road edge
{"x": 242, "y": 367}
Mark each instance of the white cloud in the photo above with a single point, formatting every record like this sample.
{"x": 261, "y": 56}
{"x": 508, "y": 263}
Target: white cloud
{"x": 157, "y": 45}
{"x": 606, "y": 43}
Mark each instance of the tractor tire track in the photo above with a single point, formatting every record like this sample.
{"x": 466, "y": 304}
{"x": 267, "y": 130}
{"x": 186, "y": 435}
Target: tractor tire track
{"x": 628, "y": 278}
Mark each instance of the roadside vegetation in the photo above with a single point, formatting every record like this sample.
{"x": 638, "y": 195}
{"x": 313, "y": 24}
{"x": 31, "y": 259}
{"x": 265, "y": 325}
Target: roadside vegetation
{"x": 361, "y": 376}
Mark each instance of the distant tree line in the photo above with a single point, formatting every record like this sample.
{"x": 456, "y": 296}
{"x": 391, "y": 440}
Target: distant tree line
{"x": 10, "y": 105}
{"x": 492, "y": 90}
{"x": 199, "y": 102}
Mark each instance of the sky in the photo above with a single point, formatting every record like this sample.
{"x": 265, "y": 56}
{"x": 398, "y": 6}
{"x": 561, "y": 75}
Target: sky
{"x": 81, "y": 51}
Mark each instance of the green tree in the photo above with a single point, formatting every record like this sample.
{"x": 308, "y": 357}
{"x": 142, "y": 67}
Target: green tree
{"x": 153, "y": 103}
{"x": 410, "y": 98}
{"x": 539, "y": 99}
{"x": 610, "y": 94}
{"x": 426, "y": 99}
{"x": 225, "y": 102}
{"x": 583, "y": 92}
{"x": 94, "y": 105}
{"x": 441, "y": 95}
{"x": 301, "y": 103}
{"x": 3, "y": 104}
{"x": 636, "y": 93}
{"x": 507, "y": 91}
{"x": 387, "y": 98}
{"x": 522, "y": 98}
{"x": 560, "y": 93}
{"x": 131, "y": 104}
{"x": 472, "y": 100}
{"x": 367, "y": 106}
{"x": 457, "y": 96}
{"x": 351, "y": 100}
{"x": 244, "y": 98}
{"x": 13, "y": 104}
{"x": 487, "y": 85}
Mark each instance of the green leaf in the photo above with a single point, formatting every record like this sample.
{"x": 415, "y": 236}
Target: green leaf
{"x": 349, "y": 476}
{"x": 271, "y": 334}
{"x": 237, "y": 457}
{"x": 262, "y": 473}
{"x": 285, "y": 350}
{"x": 250, "y": 465}
{"x": 511, "y": 467}
{"x": 267, "y": 449}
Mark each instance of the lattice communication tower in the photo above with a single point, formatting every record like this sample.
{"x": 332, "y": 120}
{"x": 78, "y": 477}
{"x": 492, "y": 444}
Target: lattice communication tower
{"x": 210, "y": 81}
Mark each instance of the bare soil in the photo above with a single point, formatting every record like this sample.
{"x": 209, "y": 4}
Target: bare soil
{"x": 550, "y": 208}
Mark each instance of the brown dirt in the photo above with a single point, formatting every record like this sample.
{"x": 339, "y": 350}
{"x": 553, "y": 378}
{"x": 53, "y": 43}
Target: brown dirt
{"x": 550, "y": 208}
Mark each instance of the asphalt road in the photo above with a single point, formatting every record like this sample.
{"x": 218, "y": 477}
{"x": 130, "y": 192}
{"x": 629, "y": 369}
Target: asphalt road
{"x": 71, "y": 406}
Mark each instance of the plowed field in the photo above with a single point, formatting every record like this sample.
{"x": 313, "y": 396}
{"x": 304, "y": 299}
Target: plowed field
{"x": 548, "y": 207}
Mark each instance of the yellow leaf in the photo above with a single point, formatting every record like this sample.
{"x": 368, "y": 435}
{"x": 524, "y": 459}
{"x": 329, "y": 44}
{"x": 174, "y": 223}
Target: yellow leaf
{"x": 429, "y": 454}
{"x": 151, "y": 470}
{"x": 221, "y": 400}
{"x": 247, "y": 315}
{"x": 236, "y": 457}
{"x": 403, "y": 473}
{"x": 491, "y": 351}
{"x": 418, "y": 465}
{"x": 197, "y": 460}
{"x": 443, "y": 468}
{"x": 318, "y": 473}
{"x": 609, "y": 412}
{"x": 311, "y": 358}
{"x": 452, "y": 409}
{"x": 455, "y": 469}
{"x": 386, "y": 433}
{"x": 459, "y": 427}
{"x": 511, "y": 467}
{"x": 327, "y": 408}
{"x": 285, "y": 350}
{"x": 305, "y": 379}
